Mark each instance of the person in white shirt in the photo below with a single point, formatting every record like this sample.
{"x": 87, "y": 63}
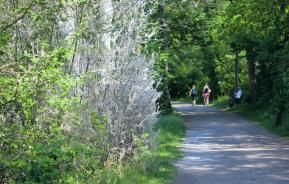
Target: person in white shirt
{"x": 238, "y": 95}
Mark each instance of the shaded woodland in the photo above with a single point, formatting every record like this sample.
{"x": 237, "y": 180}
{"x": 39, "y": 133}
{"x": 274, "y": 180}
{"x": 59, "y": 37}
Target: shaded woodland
{"x": 83, "y": 81}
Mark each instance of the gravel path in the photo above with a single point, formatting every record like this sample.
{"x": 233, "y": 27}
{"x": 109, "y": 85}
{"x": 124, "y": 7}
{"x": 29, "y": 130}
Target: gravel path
{"x": 224, "y": 148}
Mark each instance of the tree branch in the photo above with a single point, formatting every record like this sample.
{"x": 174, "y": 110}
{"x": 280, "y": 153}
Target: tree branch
{"x": 4, "y": 28}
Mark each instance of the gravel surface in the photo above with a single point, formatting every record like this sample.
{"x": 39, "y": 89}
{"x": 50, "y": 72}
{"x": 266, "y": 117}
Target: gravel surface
{"x": 224, "y": 148}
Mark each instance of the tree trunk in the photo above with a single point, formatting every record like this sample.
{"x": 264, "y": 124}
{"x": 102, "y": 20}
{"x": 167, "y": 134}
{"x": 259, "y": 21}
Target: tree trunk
{"x": 165, "y": 99}
{"x": 251, "y": 74}
{"x": 106, "y": 10}
{"x": 236, "y": 70}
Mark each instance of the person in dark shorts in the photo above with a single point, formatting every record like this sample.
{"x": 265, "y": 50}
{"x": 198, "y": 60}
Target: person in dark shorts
{"x": 193, "y": 93}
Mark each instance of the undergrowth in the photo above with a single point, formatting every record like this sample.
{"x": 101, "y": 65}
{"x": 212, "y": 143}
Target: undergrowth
{"x": 152, "y": 167}
{"x": 260, "y": 116}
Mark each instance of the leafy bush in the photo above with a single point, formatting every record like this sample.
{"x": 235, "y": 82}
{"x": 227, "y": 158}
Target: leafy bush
{"x": 35, "y": 155}
{"x": 151, "y": 166}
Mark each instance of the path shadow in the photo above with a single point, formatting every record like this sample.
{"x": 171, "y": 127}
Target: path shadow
{"x": 223, "y": 148}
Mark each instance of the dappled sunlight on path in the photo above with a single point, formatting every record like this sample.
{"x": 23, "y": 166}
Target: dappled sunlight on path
{"x": 223, "y": 148}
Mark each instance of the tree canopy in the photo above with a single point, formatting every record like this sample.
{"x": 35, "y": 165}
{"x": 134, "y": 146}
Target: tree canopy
{"x": 83, "y": 81}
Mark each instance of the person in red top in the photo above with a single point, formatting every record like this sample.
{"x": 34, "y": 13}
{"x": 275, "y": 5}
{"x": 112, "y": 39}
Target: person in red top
{"x": 206, "y": 94}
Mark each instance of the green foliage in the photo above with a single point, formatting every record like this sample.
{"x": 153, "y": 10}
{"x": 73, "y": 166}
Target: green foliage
{"x": 29, "y": 157}
{"x": 35, "y": 81}
{"x": 171, "y": 127}
{"x": 260, "y": 116}
{"x": 222, "y": 102}
{"x": 151, "y": 166}
{"x": 205, "y": 41}
{"x": 47, "y": 133}
{"x": 34, "y": 154}
{"x": 185, "y": 52}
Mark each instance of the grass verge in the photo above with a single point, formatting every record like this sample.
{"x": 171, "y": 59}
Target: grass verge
{"x": 153, "y": 167}
{"x": 199, "y": 100}
{"x": 183, "y": 99}
{"x": 258, "y": 116}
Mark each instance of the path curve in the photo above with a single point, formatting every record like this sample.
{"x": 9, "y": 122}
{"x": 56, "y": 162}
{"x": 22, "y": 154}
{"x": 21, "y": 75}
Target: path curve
{"x": 224, "y": 148}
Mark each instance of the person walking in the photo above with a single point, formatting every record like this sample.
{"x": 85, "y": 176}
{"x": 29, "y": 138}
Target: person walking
{"x": 193, "y": 93}
{"x": 238, "y": 95}
{"x": 206, "y": 94}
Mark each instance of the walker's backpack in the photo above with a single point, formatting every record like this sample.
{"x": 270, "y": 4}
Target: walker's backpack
{"x": 194, "y": 91}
